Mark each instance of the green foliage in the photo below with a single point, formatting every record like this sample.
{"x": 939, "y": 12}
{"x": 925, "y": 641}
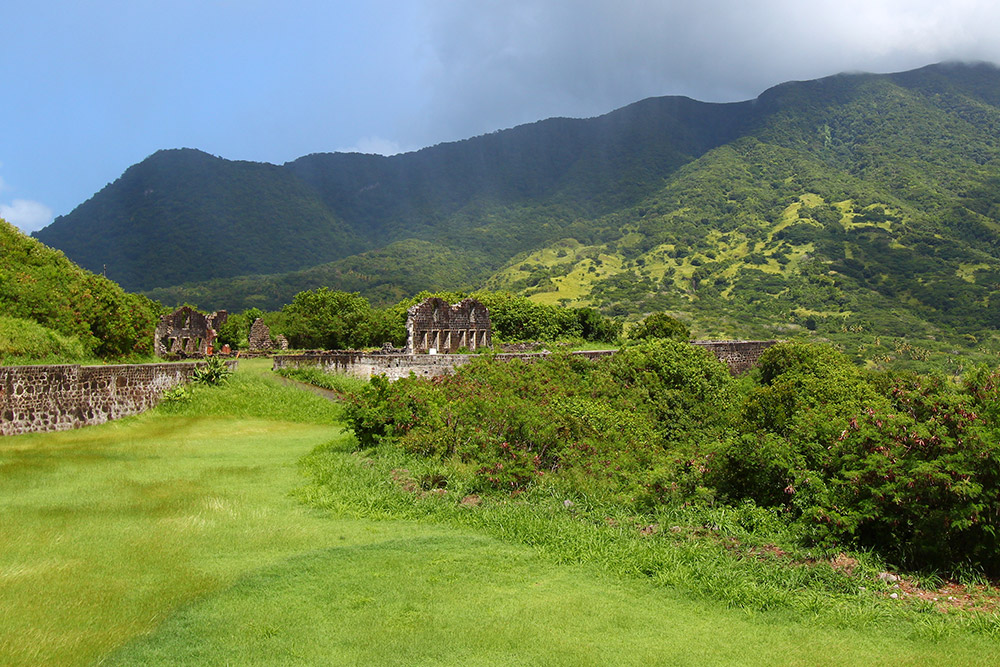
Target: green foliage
{"x": 518, "y": 318}
{"x": 805, "y": 389}
{"x": 235, "y": 331}
{"x": 26, "y": 341}
{"x": 178, "y": 394}
{"x": 332, "y": 320}
{"x": 515, "y": 423}
{"x": 39, "y": 284}
{"x": 918, "y": 482}
{"x": 901, "y": 464}
{"x": 660, "y": 325}
{"x": 212, "y": 372}
{"x": 596, "y": 327}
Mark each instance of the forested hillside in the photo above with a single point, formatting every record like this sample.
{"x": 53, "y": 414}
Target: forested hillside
{"x": 852, "y": 201}
{"x": 51, "y": 309}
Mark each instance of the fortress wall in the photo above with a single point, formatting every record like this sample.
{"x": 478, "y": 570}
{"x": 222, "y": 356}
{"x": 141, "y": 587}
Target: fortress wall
{"x": 66, "y": 396}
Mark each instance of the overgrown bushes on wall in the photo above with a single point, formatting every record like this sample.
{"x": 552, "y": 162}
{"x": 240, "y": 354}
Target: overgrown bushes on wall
{"x": 908, "y": 466}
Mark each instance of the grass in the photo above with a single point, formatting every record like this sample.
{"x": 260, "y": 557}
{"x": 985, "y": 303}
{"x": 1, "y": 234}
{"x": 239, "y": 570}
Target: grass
{"x": 175, "y": 538}
{"x": 24, "y": 341}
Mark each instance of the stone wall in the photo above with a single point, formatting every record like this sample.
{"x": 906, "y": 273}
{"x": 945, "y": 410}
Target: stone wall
{"x": 62, "y": 397}
{"x": 738, "y": 355}
{"x": 260, "y": 336}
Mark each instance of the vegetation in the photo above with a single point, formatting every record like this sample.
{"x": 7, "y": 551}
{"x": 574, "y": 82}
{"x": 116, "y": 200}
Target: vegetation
{"x": 330, "y": 320}
{"x": 173, "y": 538}
{"x": 902, "y": 465}
{"x": 660, "y": 325}
{"x": 27, "y": 341}
{"x": 54, "y": 309}
{"x": 333, "y": 320}
{"x": 802, "y": 212}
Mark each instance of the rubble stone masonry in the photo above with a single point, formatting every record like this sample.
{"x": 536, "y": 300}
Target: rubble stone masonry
{"x": 62, "y": 397}
{"x": 739, "y": 355}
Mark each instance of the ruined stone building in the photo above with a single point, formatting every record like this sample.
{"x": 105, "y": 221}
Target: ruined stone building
{"x": 187, "y": 332}
{"x": 433, "y": 324}
{"x": 260, "y": 336}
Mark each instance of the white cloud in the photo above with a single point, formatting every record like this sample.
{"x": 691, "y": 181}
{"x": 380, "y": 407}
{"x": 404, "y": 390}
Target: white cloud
{"x": 373, "y": 145}
{"x": 27, "y": 215}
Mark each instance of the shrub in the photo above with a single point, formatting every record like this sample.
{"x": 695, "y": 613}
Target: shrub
{"x": 804, "y": 388}
{"x": 685, "y": 388}
{"x": 214, "y": 372}
{"x": 660, "y": 325}
{"x": 29, "y": 341}
{"x": 920, "y": 485}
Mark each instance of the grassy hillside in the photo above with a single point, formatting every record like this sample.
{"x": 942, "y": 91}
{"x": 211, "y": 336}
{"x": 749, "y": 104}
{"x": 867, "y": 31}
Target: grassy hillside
{"x": 53, "y": 309}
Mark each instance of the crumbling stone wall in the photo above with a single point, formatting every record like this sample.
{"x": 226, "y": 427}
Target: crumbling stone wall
{"x": 738, "y": 355}
{"x": 187, "y": 332}
{"x": 65, "y": 396}
{"x": 395, "y": 366}
{"x": 434, "y": 324}
{"x": 260, "y": 336}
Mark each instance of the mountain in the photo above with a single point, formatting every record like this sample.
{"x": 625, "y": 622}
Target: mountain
{"x": 850, "y": 201}
{"x": 183, "y": 215}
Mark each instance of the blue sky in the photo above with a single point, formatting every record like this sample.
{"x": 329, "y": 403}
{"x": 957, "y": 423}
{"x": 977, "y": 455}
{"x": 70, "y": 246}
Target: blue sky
{"x": 89, "y": 88}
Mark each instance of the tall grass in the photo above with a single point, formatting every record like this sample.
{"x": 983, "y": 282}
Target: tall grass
{"x": 721, "y": 554}
{"x": 27, "y": 342}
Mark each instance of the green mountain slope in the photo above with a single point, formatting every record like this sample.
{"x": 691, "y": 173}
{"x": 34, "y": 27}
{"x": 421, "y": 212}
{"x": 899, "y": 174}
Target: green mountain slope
{"x": 185, "y": 215}
{"x": 851, "y": 201}
{"x": 385, "y": 276}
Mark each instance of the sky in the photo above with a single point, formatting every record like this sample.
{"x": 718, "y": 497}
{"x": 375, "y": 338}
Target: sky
{"x": 89, "y": 88}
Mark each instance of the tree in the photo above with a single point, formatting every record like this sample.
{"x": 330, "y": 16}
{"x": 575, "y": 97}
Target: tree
{"x": 661, "y": 325}
{"x": 332, "y": 320}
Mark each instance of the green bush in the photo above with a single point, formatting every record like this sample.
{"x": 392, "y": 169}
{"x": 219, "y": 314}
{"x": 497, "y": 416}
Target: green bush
{"x": 919, "y": 482}
{"x": 685, "y": 388}
{"x": 26, "y": 340}
{"x": 660, "y": 325}
{"x": 213, "y": 372}
{"x": 904, "y": 465}
{"x": 332, "y": 320}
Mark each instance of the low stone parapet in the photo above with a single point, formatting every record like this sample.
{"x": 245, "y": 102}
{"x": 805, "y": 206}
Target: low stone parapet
{"x": 65, "y": 396}
{"x": 738, "y": 355}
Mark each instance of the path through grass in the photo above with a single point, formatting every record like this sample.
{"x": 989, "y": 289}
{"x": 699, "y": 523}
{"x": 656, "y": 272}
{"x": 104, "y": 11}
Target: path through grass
{"x": 172, "y": 538}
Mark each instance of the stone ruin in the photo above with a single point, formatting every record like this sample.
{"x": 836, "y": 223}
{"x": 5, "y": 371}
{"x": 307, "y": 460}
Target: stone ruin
{"x": 434, "y": 324}
{"x": 260, "y": 336}
{"x": 187, "y": 332}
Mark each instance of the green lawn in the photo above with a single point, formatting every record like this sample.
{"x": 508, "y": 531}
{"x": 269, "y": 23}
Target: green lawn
{"x": 174, "y": 538}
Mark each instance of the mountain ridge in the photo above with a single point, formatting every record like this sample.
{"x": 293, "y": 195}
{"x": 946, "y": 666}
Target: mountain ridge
{"x": 886, "y": 182}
